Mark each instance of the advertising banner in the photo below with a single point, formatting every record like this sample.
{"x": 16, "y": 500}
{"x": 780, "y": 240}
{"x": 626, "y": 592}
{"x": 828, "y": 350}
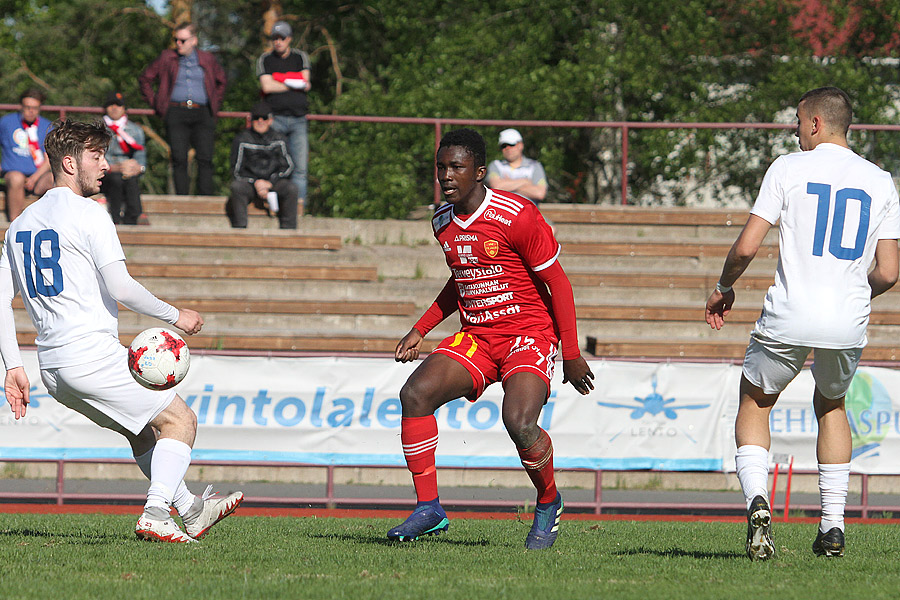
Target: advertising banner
{"x": 346, "y": 411}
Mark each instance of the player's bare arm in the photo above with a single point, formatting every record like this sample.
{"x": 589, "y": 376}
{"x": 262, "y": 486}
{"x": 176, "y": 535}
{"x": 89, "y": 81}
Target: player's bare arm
{"x": 408, "y": 347}
{"x": 17, "y": 389}
{"x": 739, "y": 258}
{"x": 577, "y": 372}
{"x": 884, "y": 274}
{"x": 189, "y": 321}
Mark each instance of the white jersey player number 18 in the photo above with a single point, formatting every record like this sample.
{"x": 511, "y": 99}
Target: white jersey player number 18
{"x": 33, "y": 251}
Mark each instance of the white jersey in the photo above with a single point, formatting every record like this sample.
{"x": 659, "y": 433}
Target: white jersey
{"x": 55, "y": 250}
{"x": 834, "y": 206}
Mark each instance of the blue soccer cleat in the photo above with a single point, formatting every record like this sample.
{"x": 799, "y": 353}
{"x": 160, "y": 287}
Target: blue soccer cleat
{"x": 545, "y": 527}
{"x": 427, "y": 519}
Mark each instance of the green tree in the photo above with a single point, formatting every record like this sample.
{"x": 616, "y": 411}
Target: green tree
{"x": 579, "y": 60}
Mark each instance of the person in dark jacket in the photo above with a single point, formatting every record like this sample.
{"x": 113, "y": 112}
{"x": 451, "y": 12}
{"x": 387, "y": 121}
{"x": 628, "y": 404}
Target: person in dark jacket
{"x": 262, "y": 166}
{"x": 191, "y": 85}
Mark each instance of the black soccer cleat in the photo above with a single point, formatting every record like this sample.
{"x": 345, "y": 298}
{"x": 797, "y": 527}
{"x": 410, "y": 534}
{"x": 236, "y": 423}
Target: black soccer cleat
{"x": 759, "y": 530}
{"x": 830, "y": 543}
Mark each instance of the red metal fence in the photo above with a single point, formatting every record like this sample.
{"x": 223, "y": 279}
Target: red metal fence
{"x": 330, "y": 499}
{"x": 624, "y": 127}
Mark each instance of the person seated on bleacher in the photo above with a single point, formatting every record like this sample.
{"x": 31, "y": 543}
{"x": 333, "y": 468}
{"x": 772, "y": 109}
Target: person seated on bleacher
{"x": 127, "y": 162}
{"x": 23, "y": 164}
{"x": 262, "y": 167}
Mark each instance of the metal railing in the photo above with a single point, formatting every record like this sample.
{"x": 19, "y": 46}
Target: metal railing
{"x": 332, "y": 499}
{"x": 439, "y": 123}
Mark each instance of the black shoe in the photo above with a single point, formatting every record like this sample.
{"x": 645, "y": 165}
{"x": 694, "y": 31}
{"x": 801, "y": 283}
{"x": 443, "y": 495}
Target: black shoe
{"x": 759, "y": 530}
{"x": 830, "y": 543}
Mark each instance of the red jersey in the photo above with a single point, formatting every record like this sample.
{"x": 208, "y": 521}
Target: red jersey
{"x": 493, "y": 255}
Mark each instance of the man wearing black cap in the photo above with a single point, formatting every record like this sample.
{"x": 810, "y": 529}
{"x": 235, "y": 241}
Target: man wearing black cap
{"x": 284, "y": 78}
{"x": 127, "y": 160}
{"x": 262, "y": 166}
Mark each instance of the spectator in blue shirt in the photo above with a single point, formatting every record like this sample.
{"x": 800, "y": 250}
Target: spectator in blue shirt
{"x": 23, "y": 163}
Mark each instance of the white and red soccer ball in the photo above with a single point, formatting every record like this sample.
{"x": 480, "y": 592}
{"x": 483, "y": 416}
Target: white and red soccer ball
{"x": 158, "y": 358}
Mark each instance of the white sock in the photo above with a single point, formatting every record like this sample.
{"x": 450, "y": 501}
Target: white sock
{"x": 183, "y": 499}
{"x": 168, "y": 466}
{"x": 752, "y": 464}
{"x": 834, "y": 479}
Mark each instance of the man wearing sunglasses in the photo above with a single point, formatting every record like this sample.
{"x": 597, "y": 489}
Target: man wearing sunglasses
{"x": 284, "y": 79}
{"x": 516, "y": 172}
{"x": 191, "y": 85}
{"x": 262, "y": 167}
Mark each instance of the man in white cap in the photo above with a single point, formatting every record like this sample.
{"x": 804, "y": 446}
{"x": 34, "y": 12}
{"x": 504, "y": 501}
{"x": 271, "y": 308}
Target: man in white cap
{"x": 284, "y": 78}
{"x": 516, "y": 172}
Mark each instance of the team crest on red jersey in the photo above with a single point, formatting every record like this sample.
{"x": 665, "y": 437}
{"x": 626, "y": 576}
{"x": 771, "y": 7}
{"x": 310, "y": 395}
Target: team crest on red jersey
{"x": 492, "y": 247}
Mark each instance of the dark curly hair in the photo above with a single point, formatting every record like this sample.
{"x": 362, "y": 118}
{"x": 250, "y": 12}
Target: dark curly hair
{"x": 469, "y": 139}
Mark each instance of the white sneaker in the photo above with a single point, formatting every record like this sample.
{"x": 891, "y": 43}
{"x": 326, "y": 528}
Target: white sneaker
{"x": 163, "y": 530}
{"x": 214, "y": 509}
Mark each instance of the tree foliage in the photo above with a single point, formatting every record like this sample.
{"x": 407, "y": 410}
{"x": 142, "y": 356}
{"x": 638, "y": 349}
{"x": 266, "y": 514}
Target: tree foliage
{"x": 583, "y": 60}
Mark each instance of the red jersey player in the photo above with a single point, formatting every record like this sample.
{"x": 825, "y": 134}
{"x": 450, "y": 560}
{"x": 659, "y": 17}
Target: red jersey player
{"x": 503, "y": 258}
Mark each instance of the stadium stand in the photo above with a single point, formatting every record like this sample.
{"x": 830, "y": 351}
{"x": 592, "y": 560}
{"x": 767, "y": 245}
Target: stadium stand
{"x": 640, "y": 276}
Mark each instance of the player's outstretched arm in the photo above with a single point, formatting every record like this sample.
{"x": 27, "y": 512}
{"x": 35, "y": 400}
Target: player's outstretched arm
{"x": 741, "y": 254}
{"x": 17, "y": 388}
{"x": 133, "y": 296}
{"x": 189, "y": 321}
{"x": 577, "y": 372}
{"x": 408, "y": 347}
{"x": 442, "y": 307}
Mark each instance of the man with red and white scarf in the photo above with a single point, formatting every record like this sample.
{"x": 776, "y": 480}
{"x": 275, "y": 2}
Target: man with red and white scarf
{"x": 23, "y": 164}
{"x": 284, "y": 78}
{"x": 127, "y": 162}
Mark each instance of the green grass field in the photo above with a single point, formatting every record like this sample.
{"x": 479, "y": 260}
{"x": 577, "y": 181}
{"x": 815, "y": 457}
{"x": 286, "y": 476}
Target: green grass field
{"x": 97, "y": 556}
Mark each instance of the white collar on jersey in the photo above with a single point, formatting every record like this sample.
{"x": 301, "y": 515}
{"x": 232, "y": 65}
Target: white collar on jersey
{"x": 474, "y": 216}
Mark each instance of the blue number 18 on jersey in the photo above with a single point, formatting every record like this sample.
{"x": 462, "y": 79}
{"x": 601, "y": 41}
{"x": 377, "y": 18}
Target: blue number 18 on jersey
{"x": 37, "y": 283}
{"x": 823, "y": 191}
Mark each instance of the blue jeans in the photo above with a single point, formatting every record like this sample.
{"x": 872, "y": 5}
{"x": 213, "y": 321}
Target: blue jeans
{"x": 295, "y": 129}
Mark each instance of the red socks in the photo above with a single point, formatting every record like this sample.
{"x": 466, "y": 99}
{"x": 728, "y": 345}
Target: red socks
{"x": 538, "y": 462}
{"x": 419, "y": 436}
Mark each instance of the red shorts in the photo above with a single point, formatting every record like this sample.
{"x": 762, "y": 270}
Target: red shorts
{"x": 492, "y": 358}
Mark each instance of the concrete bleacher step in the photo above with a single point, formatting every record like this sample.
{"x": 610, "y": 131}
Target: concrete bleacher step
{"x": 136, "y": 235}
{"x": 672, "y": 248}
{"x": 712, "y": 350}
{"x": 637, "y": 215}
{"x": 140, "y": 270}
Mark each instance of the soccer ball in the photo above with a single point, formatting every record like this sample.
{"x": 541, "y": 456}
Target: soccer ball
{"x": 158, "y": 358}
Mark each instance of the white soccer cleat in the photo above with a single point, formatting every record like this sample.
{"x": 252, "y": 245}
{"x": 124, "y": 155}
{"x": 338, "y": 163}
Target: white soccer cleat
{"x": 162, "y": 530}
{"x": 214, "y": 509}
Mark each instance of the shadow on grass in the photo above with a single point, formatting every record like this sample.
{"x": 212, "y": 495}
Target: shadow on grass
{"x": 81, "y": 538}
{"x": 383, "y": 541}
{"x": 679, "y": 552}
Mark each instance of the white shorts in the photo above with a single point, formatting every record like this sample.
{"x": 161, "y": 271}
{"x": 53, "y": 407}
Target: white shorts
{"x": 106, "y": 393}
{"x": 772, "y": 365}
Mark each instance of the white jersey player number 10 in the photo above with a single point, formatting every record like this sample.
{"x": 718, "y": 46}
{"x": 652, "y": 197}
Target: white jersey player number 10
{"x": 823, "y": 191}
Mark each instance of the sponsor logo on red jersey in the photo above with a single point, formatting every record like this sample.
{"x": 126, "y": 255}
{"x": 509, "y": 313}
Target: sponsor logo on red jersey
{"x": 493, "y": 215}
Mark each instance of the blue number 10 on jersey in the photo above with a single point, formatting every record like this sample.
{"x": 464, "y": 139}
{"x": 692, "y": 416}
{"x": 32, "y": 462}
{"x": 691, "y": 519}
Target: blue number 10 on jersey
{"x": 46, "y": 268}
{"x": 823, "y": 191}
